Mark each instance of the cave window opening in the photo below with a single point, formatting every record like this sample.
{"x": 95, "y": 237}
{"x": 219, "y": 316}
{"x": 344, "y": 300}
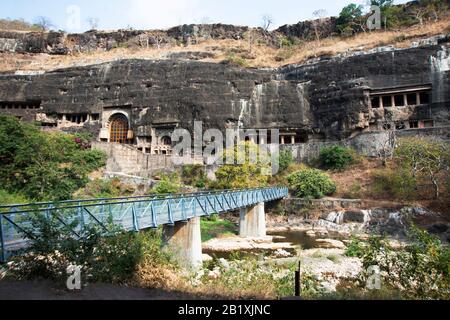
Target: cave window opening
{"x": 424, "y": 98}
{"x": 301, "y": 138}
{"x": 95, "y": 117}
{"x": 387, "y": 126}
{"x": 399, "y": 100}
{"x": 48, "y": 125}
{"x": 375, "y": 102}
{"x": 118, "y": 128}
{"x": 23, "y": 105}
{"x": 387, "y": 101}
{"x": 77, "y": 118}
{"x": 414, "y": 124}
{"x": 167, "y": 141}
{"x": 412, "y": 99}
{"x": 428, "y": 124}
{"x": 147, "y": 140}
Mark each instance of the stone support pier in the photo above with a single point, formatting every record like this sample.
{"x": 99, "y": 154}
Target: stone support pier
{"x": 184, "y": 241}
{"x": 253, "y": 222}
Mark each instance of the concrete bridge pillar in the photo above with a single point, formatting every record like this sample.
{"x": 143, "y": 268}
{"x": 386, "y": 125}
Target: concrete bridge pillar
{"x": 253, "y": 222}
{"x": 184, "y": 241}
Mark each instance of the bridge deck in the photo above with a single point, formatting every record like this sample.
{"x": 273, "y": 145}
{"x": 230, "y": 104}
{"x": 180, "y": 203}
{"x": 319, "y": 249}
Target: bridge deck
{"x": 131, "y": 213}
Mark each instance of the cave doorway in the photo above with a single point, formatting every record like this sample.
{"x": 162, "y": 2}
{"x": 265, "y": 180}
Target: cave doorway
{"x": 118, "y": 128}
{"x": 167, "y": 141}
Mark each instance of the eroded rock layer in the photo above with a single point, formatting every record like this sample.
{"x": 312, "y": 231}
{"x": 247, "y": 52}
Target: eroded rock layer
{"x": 332, "y": 99}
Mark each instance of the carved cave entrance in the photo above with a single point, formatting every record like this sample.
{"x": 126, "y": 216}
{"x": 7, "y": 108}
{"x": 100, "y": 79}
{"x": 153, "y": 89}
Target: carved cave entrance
{"x": 118, "y": 128}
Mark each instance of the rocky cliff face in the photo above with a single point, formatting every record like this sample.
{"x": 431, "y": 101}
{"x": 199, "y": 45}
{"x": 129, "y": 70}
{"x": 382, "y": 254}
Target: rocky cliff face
{"x": 63, "y": 43}
{"x": 329, "y": 98}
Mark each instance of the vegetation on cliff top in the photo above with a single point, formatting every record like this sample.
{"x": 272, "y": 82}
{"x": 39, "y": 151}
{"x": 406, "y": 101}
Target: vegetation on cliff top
{"x": 405, "y": 24}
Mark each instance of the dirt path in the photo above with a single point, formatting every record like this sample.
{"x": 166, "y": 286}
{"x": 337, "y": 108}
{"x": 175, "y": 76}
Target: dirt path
{"x": 45, "y": 290}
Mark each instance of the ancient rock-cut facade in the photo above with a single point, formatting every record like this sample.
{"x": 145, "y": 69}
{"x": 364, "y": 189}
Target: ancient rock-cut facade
{"x": 352, "y": 100}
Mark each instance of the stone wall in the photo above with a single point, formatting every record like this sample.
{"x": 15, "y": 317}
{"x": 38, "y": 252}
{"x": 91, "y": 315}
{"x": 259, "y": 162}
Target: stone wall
{"x": 366, "y": 143}
{"x": 127, "y": 160}
{"x": 295, "y": 205}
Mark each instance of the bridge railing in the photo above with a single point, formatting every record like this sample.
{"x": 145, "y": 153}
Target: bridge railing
{"x": 130, "y": 213}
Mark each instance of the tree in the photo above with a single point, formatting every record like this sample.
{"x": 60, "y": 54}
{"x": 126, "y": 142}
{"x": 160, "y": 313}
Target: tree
{"x": 43, "y": 166}
{"x": 419, "y": 14}
{"x": 267, "y": 21}
{"x": 429, "y": 9}
{"x": 430, "y": 158}
{"x": 385, "y": 147}
{"x": 392, "y": 16}
{"x": 93, "y": 23}
{"x": 347, "y": 21}
{"x": 43, "y": 23}
{"x": 244, "y": 173}
{"x": 320, "y": 16}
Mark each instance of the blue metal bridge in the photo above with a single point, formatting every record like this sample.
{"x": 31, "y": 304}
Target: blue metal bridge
{"x": 130, "y": 213}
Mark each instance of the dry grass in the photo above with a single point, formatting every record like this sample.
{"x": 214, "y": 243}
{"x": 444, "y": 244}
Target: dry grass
{"x": 256, "y": 55}
{"x": 153, "y": 276}
{"x": 356, "y": 182}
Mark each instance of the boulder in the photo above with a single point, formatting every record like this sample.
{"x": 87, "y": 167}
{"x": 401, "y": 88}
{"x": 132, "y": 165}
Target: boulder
{"x": 311, "y": 233}
{"x": 354, "y": 216}
{"x": 207, "y": 258}
{"x": 330, "y": 244}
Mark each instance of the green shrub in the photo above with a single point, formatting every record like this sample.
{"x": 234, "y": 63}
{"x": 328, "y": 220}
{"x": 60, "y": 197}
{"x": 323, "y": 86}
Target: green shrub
{"x": 194, "y": 175}
{"x": 287, "y": 42}
{"x": 336, "y": 158}
{"x": 235, "y": 61}
{"x": 43, "y": 166}
{"x": 311, "y": 183}
{"x": 11, "y": 198}
{"x": 111, "y": 188}
{"x": 245, "y": 175}
{"x": 398, "y": 184}
{"x": 419, "y": 271}
{"x": 355, "y": 248}
{"x": 169, "y": 184}
{"x": 285, "y": 160}
{"x": 103, "y": 257}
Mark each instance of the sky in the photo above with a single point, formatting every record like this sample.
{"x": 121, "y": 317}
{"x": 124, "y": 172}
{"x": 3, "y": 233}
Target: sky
{"x": 73, "y": 15}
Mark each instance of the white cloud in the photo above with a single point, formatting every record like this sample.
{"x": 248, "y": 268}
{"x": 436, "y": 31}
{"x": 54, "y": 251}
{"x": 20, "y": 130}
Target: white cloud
{"x": 162, "y": 14}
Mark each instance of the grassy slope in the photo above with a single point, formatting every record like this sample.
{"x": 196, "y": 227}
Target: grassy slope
{"x": 260, "y": 55}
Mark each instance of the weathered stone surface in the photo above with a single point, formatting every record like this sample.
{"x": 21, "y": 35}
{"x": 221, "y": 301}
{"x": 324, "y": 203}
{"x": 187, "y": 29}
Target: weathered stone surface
{"x": 327, "y": 101}
{"x": 329, "y": 244}
{"x": 308, "y": 30}
{"x": 354, "y": 216}
{"x": 231, "y": 244}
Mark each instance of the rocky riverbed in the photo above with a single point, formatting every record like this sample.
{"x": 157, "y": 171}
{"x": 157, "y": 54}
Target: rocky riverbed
{"x": 320, "y": 244}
